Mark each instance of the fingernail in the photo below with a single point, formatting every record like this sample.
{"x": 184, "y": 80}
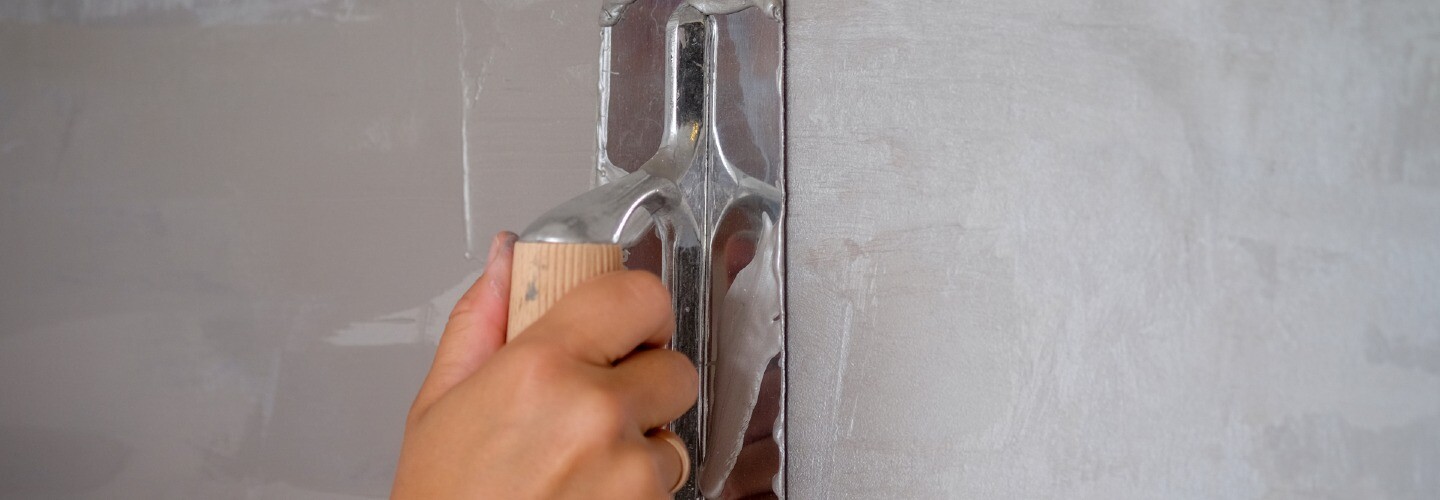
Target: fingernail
{"x": 495, "y": 245}
{"x": 507, "y": 240}
{"x": 504, "y": 242}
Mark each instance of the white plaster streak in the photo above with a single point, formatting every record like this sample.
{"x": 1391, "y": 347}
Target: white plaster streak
{"x": 410, "y": 326}
{"x": 850, "y": 428}
{"x": 469, "y": 89}
{"x": 837, "y": 394}
{"x": 605, "y": 171}
{"x": 388, "y": 330}
{"x": 773, "y": 8}
{"x": 846, "y": 327}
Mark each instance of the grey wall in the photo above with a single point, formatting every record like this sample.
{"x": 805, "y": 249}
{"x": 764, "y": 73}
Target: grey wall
{"x": 229, "y": 231}
{"x": 1115, "y": 249}
{"x": 1138, "y": 249}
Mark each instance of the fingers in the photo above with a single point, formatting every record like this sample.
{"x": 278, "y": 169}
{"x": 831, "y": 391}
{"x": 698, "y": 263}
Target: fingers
{"x": 657, "y": 386}
{"x": 476, "y": 328}
{"x": 672, "y": 459}
{"x": 607, "y": 318}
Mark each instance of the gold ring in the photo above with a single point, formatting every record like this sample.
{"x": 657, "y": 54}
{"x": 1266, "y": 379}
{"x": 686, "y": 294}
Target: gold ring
{"x": 679, "y": 445}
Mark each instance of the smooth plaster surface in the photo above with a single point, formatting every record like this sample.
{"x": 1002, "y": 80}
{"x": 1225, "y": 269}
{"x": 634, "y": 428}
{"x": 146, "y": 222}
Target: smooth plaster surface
{"x": 1038, "y": 249}
{"x": 230, "y": 230}
{"x": 1114, "y": 249}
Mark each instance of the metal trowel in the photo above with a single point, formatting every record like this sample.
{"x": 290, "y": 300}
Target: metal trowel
{"x": 697, "y": 197}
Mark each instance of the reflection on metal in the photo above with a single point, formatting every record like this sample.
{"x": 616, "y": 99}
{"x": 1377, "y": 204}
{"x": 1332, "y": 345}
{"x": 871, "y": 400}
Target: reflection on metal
{"x": 700, "y": 161}
{"x": 613, "y": 10}
{"x": 690, "y": 175}
{"x": 660, "y": 196}
{"x": 746, "y": 376}
{"x": 602, "y": 214}
{"x": 691, "y": 183}
{"x": 773, "y": 8}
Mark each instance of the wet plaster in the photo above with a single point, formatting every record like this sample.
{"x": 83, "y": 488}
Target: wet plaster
{"x": 230, "y": 231}
{"x": 1173, "y": 249}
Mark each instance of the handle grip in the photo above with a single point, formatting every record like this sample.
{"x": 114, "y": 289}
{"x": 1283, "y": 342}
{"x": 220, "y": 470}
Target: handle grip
{"x": 543, "y": 272}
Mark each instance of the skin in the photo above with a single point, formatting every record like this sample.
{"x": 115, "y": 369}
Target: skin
{"x": 569, "y": 409}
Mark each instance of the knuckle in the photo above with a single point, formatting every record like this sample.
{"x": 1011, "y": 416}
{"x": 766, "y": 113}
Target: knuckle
{"x": 538, "y": 369}
{"x": 418, "y": 410}
{"x": 464, "y": 305}
{"x": 606, "y": 409}
{"x": 680, "y": 375}
{"x": 412, "y": 419}
{"x": 683, "y": 367}
{"x": 688, "y": 376}
{"x": 639, "y": 287}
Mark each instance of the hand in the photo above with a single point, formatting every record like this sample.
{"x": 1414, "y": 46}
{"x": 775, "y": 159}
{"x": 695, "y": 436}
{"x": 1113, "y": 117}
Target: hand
{"x": 569, "y": 409}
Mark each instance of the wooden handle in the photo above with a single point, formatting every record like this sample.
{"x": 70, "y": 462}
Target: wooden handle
{"x": 543, "y": 272}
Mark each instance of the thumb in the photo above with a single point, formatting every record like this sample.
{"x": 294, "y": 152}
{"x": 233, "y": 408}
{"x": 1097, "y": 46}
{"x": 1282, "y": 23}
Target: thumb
{"x": 476, "y": 328}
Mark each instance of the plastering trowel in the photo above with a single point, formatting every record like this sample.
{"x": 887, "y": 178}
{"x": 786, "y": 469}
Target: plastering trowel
{"x": 704, "y": 210}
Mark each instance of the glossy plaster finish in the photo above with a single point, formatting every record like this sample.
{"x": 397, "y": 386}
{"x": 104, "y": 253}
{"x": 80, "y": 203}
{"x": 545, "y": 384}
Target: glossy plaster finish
{"x": 1124, "y": 249}
{"x": 230, "y": 231}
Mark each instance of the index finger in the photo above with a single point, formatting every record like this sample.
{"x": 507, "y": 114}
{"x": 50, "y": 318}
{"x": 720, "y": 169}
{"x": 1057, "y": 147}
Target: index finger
{"x": 608, "y": 317}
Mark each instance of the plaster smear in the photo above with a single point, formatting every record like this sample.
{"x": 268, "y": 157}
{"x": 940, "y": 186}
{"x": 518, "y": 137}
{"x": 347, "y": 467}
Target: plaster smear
{"x": 206, "y": 12}
{"x": 1162, "y": 249}
{"x": 422, "y": 323}
{"x": 613, "y": 10}
{"x": 751, "y": 337}
{"x": 773, "y": 8}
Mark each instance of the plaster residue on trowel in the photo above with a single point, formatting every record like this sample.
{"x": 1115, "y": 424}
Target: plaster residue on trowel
{"x": 748, "y": 338}
{"x": 613, "y": 10}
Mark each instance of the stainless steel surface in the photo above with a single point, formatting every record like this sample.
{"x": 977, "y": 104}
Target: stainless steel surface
{"x": 773, "y": 8}
{"x": 705, "y": 210}
{"x": 614, "y": 10}
{"x": 659, "y": 197}
{"x": 744, "y": 218}
{"x": 601, "y": 215}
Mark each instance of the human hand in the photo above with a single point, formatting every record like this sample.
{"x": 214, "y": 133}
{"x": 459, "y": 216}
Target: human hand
{"x": 570, "y": 409}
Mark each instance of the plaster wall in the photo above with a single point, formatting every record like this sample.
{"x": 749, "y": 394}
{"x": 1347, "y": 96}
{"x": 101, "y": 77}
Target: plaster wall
{"x": 1038, "y": 249}
{"x": 1114, "y": 249}
{"x": 230, "y": 231}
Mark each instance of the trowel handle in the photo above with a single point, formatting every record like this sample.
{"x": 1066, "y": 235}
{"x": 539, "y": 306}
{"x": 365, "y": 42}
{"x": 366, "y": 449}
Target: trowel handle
{"x": 543, "y": 272}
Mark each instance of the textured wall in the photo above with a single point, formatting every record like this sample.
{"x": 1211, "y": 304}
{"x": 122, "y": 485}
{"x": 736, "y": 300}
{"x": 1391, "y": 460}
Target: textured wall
{"x": 1115, "y": 249}
{"x": 1144, "y": 249}
{"x": 229, "y": 229}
